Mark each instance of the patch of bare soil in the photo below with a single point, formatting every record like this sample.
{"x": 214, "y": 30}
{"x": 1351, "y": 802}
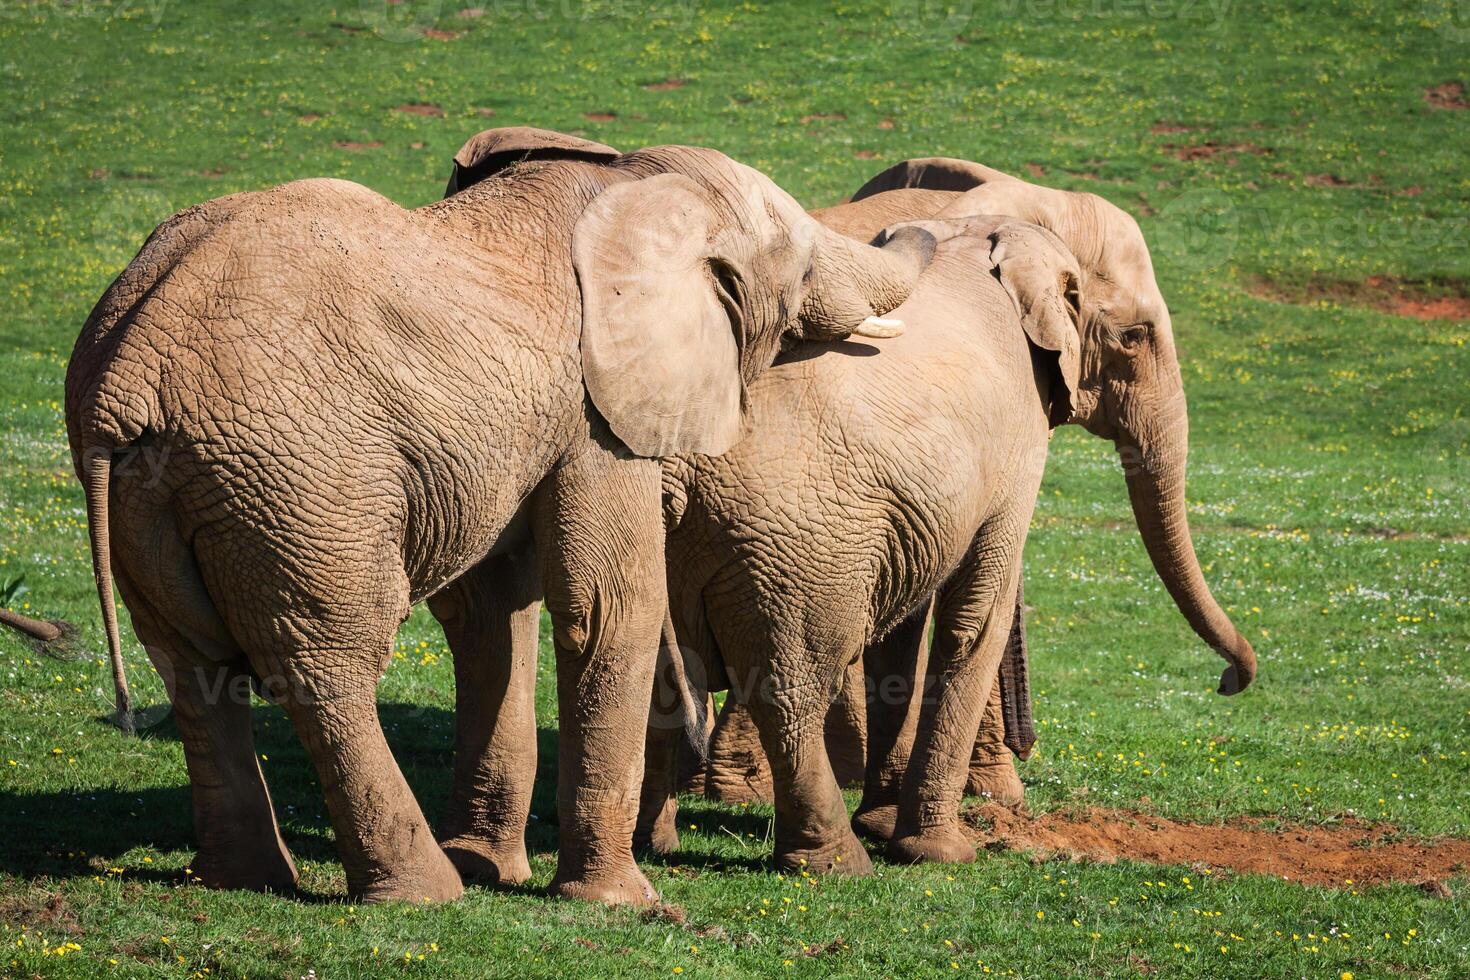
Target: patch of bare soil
{"x": 1161, "y": 128}
{"x": 823, "y": 117}
{"x": 599, "y": 116}
{"x": 1210, "y": 150}
{"x": 667, "y": 85}
{"x": 437, "y": 34}
{"x": 1450, "y": 95}
{"x": 1349, "y": 855}
{"x": 354, "y": 146}
{"x": 1444, "y": 299}
{"x": 419, "y": 109}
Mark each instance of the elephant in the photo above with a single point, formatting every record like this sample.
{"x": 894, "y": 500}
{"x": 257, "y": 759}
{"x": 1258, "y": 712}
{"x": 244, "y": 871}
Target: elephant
{"x": 869, "y": 484}
{"x": 1114, "y": 263}
{"x": 352, "y": 407}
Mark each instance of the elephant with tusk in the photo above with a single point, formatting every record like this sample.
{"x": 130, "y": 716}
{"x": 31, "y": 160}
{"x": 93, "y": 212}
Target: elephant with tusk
{"x": 1119, "y": 297}
{"x": 358, "y": 406}
{"x": 866, "y": 487}
{"x": 910, "y": 475}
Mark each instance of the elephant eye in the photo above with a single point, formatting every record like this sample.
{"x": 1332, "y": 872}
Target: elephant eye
{"x": 1133, "y": 337}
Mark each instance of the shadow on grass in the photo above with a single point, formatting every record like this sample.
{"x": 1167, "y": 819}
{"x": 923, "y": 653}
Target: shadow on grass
{"x": 81, "y": 833}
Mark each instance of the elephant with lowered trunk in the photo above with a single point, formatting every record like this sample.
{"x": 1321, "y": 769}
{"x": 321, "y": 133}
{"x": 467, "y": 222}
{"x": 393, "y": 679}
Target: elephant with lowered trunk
{"x": 360, "y": 404}
{"x": 868, "y": 484}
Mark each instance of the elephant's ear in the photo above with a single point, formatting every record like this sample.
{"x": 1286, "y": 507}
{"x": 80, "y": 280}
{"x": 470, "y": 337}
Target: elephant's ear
{"x": 661, "y": 317}
{"x": 491, "y": 151}
{"x": 1042, "y": 277}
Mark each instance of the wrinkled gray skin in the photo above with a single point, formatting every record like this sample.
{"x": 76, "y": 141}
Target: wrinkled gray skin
{"x": 891, "y": 488}
{"x": 1126, "y": 388}
{"x": 1119, "y": 290}
{"x": 353, "y": 406}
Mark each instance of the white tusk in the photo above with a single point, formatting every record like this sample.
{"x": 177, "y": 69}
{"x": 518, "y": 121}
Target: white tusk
{"x": 877, "y": 326}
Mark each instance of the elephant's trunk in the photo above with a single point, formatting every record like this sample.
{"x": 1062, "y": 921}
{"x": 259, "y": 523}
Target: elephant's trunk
{"x": 1155, "y": 474}
{"x": 853, "y": 283}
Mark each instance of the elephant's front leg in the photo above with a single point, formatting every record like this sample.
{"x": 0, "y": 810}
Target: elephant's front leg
{"x": 599, "y": 530}
{"x": 972, "y": 625}
{"x": 491, "y": 617}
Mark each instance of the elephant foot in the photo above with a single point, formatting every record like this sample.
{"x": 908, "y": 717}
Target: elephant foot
{"x": 660, "y": 839}
{"x": 876, "y": 823}
{"x": 845, "y": 857}
{"x": 733, "y": 790}
{"x": 944, "y": 844}
{"x": 998, "y": 782}
{"x": 623, "y": 886}
{"x": 430, "y": 880}
{"x": 489, "y": 862}
{"x": 273, "y": 872}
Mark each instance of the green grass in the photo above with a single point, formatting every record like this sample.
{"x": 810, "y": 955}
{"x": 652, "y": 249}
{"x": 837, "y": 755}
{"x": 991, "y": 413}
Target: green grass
{"x": 1330, "y": 470}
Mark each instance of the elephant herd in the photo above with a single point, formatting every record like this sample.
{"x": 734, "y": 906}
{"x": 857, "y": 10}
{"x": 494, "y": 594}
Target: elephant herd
{"x": 729, "y": 445}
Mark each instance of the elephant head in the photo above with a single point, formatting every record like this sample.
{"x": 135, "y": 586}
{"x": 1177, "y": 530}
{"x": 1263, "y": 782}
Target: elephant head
{"x": 695, "y": 271}
{"x": 1128, "y": 386}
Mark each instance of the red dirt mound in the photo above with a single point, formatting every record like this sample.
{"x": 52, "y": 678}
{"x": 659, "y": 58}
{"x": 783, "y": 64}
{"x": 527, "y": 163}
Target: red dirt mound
{"x": 1450, "y": 95}
{"x": 1349, "y": 855}
{"x": 1430, "y": 300}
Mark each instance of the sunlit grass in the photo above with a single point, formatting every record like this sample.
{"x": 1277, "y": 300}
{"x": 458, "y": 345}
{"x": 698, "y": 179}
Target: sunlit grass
{"x": 1329, "y": 472}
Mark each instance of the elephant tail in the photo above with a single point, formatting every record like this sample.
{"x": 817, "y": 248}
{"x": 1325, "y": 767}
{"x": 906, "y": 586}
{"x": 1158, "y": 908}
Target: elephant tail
{"x": 96, "y": 477}
{"x": 672, "y": 672}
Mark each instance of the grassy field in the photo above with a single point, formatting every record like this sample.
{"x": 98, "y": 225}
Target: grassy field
{"x": 1292, "y": 164}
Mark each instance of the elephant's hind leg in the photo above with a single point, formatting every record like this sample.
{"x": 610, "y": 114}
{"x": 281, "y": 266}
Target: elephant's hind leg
{"x": 812, "y": 829}
{"x": 330, "y": 636}
{"x": 972, "y": 624}
{"x": 893, "y": 668}
{"x": 737, "y": 771}
{"x": 491, "y": 618}
{"x": 992, "y": 766}
{"x": 240, "y": 845}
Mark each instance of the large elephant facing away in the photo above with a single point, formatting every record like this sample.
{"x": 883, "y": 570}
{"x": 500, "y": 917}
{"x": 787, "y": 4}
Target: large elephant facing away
{"x": 356, "y": 404}
{"x": 868, "y": 484}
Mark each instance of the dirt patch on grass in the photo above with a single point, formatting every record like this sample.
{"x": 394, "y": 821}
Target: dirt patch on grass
{"x": 667, "y": 85}
{"x": 355, "y": 146}
{"x": 1349, "y": 855}
{"x": 599, "y": 116}
{"x": 419, "y": 109}
{"x": 1450, "y": 95}
{"x": 1210, "y": 150}
{"x": 1429, "y": 299}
